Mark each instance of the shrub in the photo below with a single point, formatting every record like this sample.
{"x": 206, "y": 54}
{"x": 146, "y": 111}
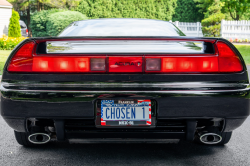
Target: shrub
{"x": 211, "y": 25}
{"x": 39, "y": 21}
{"x": 9, "y": 43}
{"x": 60, "y": 20}
{"x": 160, "y": 9}
{"x": 236, "y": 40}
{"x": 246, "y": 40}
{"x": 240, "y": 41}
{"x": 231, "y": 40}
{"x": 14, "y": 26}
{"x": 187, "y": 11}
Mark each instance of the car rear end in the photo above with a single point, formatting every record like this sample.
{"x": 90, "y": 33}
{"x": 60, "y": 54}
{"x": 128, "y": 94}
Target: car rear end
{"x": 69, "y": 88}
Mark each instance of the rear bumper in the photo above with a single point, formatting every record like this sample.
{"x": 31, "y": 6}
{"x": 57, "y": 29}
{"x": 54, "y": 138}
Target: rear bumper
{"x": 184, "y": 101}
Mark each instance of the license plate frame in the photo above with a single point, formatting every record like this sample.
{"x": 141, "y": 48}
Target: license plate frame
{"x": 102, "y": 122}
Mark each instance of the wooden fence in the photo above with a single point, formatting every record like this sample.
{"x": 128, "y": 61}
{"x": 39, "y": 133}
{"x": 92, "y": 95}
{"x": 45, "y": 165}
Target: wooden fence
{"x": 189, "y": 28}
{"x": 235, "y": 29}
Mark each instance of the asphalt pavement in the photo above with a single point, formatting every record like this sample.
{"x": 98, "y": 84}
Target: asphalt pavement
{"x": 236, "y": 152}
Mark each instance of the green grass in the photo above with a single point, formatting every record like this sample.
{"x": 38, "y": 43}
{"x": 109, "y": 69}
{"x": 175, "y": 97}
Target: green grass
{"x": 244, "y": 50}
{"x": 3, "y": 57}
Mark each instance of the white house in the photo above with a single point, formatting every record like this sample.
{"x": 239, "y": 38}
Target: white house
{"x": 5, "y": 14}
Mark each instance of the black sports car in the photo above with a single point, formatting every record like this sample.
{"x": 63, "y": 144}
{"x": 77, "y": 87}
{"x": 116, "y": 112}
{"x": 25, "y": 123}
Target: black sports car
{"x": 124, "y": 78}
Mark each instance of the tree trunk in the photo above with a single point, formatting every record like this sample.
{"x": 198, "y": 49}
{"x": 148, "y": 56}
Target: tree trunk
{"x": 237, "y": 17}
{"x": 28, "y": 21}
{"x": 39, "y": 6}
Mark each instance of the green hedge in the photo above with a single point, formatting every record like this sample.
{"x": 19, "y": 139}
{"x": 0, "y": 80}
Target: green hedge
{"x": 60, "y": 20}
{"x": 38, "y": 22}
{"x": 187, "y": 11}
{"x": 160, "y": 9}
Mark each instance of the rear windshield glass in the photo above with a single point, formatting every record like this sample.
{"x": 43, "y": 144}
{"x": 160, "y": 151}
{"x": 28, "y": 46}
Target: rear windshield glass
{"x": 122, "y": 27}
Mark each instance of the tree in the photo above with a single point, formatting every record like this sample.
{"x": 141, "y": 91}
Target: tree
{"x": 160, "y": 9}
{"x": 25, "y": 4}
{"x": 211, "y": 25}
{"x": 186, "y": 11}
{"x": 236, "y": 8}
{"x": 203, "y": 5}
{"x": 14, "y": 26}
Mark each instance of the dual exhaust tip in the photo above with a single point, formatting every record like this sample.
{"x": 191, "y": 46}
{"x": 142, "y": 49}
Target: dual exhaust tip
{"x": 210, "y": 138}
{"x": 207, "y": 138}
{"x": 39, "y": 138}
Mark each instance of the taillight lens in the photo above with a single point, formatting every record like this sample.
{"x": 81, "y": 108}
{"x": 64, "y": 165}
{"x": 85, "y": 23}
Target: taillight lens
{"x": 27, "y": 32}
{"x": 23, "y": 59}
{"x": 182, "y": 64}
{"x": 228, "y": 60}
{"x": 60, "y": 64}
{"x": 98, "y": 64}
{"x": 153, "y": 64}
{"x": 225, "y": 61}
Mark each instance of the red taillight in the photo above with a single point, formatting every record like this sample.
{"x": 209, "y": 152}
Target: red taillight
{"x": 225, "y": 61}
{"x": 60, "y": 64}
{"x": 27, "y": 32}
{"x": 183, "y": 64}
{"x": 228, "y": 60}
{"x": 23, "y": 59}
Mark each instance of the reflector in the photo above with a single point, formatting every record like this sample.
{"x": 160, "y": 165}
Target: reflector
{"x": 153, "y": 64}
{"x": 98, "y": 64}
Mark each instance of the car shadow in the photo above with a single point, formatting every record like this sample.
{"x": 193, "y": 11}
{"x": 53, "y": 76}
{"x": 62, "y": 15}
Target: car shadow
{"x": 182, "y": 153}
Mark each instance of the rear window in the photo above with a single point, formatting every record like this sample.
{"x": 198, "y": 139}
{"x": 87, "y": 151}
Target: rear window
{"x": 22, "y": 24}
{"x": 122, "y": 27}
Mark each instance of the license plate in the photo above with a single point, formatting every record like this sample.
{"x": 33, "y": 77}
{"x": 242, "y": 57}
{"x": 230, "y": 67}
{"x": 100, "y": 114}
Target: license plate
{"x": 125, "y": 112}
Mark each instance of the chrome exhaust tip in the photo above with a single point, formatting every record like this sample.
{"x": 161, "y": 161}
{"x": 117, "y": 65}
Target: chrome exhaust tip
{"x": 39, "y": 138}
{"x": 210, "y": 138}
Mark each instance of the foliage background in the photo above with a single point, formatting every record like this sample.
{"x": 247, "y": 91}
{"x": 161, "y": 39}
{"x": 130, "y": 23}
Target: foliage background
{"x": 39, "y": 21}
{"x": 187, "y": 11}
{"x": 152, "y": 9}
{"x": 52, "y": 22}
{"x": 60, "y": 20}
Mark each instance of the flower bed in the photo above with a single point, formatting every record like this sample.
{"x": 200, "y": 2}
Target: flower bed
{"x": 236, "y": 40}
{"x": 9, "y": 43}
